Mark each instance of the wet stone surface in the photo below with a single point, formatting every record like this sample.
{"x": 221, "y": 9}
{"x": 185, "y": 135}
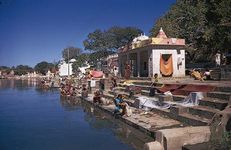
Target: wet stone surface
{"x": 150, "y": 121}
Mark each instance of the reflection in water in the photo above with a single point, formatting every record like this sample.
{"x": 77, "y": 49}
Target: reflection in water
{"x": 17, "y": 84}
{"x": 102, "y": 121}
{"x": 34, "y": 118}
{"x": 70, "y": 103}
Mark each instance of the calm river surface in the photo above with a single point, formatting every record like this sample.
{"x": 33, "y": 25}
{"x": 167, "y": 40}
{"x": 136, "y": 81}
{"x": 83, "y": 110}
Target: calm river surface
{"x": 34, "y": 119}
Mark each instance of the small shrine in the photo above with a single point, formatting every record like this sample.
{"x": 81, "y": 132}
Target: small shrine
{"x": 148, "y": 56}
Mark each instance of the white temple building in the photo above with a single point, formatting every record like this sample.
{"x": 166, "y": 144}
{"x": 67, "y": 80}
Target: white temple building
{"x": 66, "y": 69}
{"x": 153, "y": 55}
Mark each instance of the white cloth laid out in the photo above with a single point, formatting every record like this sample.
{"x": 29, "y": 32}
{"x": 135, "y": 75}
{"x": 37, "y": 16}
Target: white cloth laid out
{"x": 152, "y": 103}
{"x": 191, "y": 100}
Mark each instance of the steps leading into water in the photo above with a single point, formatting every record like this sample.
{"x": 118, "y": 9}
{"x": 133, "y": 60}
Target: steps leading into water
{"x": 197, "y": 115}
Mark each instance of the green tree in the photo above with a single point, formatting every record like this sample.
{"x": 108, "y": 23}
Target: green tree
{"x": 71, "y": 51}
{"x": 200, "y": 24}
{"x": 5, "y": 69}
{"x": 80, "y": 61}
{"x": 185, "y": 19}
{"x": 111, "y": 39}
{"x": 104, "y": 43}
{"x": 43, "y": 67}
{"x": 218, "y": 36}
{"x": 122, "y": 36}
{"x": 98, "y": 55}
{"x": 97, "y": 41}
{"x": 22, "y": 70}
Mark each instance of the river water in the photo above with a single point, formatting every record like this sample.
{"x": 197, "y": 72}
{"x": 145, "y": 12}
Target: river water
{"x": 34, "y": 119}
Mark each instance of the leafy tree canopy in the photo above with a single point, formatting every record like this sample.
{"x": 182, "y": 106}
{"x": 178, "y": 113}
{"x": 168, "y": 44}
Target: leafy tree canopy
{"x": 111, "y": 39}
{"x": 22, "y": 70}
{"x": 200, "y": 24}
{"x": 104, "y": 43}
{"x": 43, "y": 67}
{"x": 4, "y": 67}
{"x": 80, "y": 61}
{"x": 72, "y": 52}
{"x": 98, "y": 55}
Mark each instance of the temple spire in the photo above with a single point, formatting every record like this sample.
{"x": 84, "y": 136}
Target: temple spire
{"x": 161, "y": 34}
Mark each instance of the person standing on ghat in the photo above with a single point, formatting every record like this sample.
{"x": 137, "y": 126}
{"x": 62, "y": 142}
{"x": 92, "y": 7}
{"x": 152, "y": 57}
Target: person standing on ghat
{"x": 127, "y": 71}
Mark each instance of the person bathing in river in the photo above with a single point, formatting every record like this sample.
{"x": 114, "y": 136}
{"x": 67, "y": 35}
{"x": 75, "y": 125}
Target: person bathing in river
{"x": 120, "y": 105}
{"x": 62, "y": 90}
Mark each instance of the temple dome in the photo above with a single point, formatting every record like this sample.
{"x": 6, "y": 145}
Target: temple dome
{"x": 142, "y": 37}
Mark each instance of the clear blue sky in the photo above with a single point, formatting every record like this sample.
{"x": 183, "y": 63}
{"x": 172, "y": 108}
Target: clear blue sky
{"x": 32, "y": 31}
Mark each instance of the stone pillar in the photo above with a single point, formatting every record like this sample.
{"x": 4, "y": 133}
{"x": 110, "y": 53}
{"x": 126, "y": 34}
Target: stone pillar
{"x": 138, "y": 64}
{"x": 128, "y": 58}
{"x": 150, "y": 64}
{"x": 119, "y": 65}
{"x": 107, "y": 84}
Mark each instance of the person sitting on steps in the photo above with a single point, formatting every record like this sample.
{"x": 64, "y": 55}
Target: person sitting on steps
{"x": 97, "y": 97}
{"x": 153, "y": 89}
{"x": 120, "y": 105}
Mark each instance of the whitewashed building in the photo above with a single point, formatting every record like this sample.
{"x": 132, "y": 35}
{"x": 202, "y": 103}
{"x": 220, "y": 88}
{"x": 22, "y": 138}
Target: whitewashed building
{"x": 148, "y": 56}
{"x": 112, "y": 64}
{"x": 66, "y": 69}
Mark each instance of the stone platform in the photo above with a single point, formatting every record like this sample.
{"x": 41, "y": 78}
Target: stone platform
{"x": 148, "y": 122}
{"x": 176, "y": 119}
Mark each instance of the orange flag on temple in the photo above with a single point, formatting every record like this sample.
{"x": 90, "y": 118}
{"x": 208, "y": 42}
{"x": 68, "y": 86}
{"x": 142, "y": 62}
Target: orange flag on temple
{"x": 166, "y": 66}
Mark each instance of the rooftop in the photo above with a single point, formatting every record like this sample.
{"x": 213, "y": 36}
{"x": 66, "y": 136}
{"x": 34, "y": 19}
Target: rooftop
{"x": 160, "y": 40}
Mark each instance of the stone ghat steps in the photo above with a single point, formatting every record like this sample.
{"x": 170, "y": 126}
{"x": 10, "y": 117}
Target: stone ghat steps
{"x": 146, "y": 122}
{"x": 196, "y": 115}
{"x": 193, "y": 120}
{"x": 186, "y": 118}
{"x": 206, "y": 109}
{"x": 199, "y": 146}
{"x": 143, "y": 85}
{"x": 219, "y": 95}
{"x": 213, "y": 103}
{"x": 183, "y": 88}
{"x": 216, "y": 99}
{"x": 223, "y": 89}
{"x": 141, "y": 82}
{"x": 202, "y": 111}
